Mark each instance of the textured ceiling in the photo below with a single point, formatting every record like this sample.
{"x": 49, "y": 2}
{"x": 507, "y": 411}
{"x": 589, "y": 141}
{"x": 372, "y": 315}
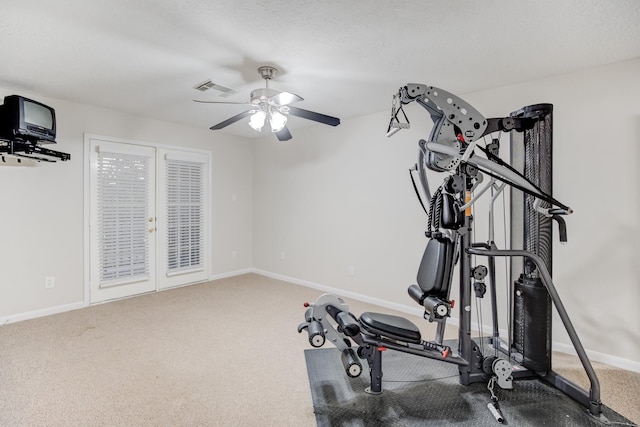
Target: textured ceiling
{"x": 345, "y": 58}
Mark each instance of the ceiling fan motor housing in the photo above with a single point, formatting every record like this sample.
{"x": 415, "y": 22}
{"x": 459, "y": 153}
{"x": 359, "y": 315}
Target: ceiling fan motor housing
{"x": 262, "y": 94}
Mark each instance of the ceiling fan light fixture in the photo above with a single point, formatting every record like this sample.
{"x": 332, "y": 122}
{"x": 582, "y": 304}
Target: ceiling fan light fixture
{"x": 277, "y": 120}
{"x": 269, "y": 104}
{"x": 257, "y": 120}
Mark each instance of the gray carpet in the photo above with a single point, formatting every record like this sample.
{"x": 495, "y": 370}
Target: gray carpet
{"x": 424, "y": 392}
{"x": 223, "y": 353}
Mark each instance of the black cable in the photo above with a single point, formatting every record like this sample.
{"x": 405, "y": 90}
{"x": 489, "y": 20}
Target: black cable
{"x": 542, "y": 195}
{"x": 432, "y": 207}
{"x": 438, "y": 210}
{"x": 415, "y": 187}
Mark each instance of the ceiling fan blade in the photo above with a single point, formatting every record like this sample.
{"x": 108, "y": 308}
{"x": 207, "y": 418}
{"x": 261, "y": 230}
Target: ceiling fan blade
{"x": 283, "y": 134}
{"x": 316, "y": 117}
{"x": 231, "y": 120}
{"x": 285, "y": 98}
{"x": 221, "y": 102}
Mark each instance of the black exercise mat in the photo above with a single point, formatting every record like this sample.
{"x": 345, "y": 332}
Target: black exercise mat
{"x": 422, "y": 392}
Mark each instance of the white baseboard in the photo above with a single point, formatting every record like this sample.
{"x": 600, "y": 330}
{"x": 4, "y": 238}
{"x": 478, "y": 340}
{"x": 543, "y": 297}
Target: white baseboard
{"x": 82, "y": 304}
{"x": 342, "y": 293}
{"x": 595, "y": 356}
{"x": 41, "y": 313}
{"x": 232, "y": 273}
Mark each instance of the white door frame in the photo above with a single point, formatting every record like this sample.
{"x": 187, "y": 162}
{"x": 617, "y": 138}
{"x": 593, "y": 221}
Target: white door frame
{"x": 87, "y": 200}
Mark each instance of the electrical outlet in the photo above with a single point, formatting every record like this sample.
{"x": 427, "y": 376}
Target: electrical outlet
{"x": 234, "y": 254}
{"x": 352, "y": 270}
{"x": 49, "y": 282}
{"x": 282, "y": 255}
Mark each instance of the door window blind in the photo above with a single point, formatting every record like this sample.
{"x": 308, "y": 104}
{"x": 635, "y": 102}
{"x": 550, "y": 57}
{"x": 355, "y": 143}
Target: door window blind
{"x": 123, "y": 200}
{"x": 185, "y": 215}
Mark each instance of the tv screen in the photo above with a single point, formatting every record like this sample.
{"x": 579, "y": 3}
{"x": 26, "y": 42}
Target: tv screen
{"x": 27, "y": 120}
{"x": 38, "y": 114}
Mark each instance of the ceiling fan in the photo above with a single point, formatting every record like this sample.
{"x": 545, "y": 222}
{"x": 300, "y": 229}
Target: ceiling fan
{"x": 269, "y": 105}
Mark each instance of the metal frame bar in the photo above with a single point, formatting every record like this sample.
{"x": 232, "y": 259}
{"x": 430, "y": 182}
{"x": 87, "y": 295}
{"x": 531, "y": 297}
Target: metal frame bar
{"x": 592, "y": 399}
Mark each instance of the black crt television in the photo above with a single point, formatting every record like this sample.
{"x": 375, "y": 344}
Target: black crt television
{"x": 26, "y": 120}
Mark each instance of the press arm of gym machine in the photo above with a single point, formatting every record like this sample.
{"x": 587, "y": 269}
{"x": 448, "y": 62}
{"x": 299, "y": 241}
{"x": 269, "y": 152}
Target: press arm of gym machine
{"x": 443, "y": 107}
{"x": 456, "y": 122}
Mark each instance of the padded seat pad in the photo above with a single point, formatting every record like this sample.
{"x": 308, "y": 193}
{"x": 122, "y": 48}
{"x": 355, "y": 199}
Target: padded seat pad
{"x": 433, "y": 274}
{"x": 390, "y": 326}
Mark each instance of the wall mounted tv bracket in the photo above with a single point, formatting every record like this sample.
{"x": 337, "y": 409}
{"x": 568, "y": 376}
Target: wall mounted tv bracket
{"x": 32, "y": 151}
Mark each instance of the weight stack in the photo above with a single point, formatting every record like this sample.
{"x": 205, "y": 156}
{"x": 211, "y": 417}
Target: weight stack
{"x": 531, "y": 155}
{"x": 532, "y": 320}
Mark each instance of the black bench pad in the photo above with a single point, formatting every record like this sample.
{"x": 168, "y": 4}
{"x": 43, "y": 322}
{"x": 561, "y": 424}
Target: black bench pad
{"x": 387, "y": 325}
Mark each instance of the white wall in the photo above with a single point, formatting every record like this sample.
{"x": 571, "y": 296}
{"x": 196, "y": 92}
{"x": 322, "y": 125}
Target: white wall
{"x": 42, "y": 212}
{"x": 332, "y": 198}
{"x": 338, "y": 197}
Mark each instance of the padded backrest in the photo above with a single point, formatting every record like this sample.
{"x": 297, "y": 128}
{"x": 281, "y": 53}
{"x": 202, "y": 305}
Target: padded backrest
{"x": 435, "y": 267}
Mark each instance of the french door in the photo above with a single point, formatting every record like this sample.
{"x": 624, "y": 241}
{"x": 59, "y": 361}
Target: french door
{"x": 147, "y": 220}
{"x": 182, "y": 214}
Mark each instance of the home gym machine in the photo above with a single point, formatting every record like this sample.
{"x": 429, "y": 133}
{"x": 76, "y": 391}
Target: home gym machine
{"x": 462, "y": 145}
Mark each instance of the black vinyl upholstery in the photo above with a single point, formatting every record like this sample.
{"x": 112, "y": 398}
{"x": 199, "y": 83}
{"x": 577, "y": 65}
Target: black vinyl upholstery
{"x": 390, "y": 326}
{"x": 435, "y": 268}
